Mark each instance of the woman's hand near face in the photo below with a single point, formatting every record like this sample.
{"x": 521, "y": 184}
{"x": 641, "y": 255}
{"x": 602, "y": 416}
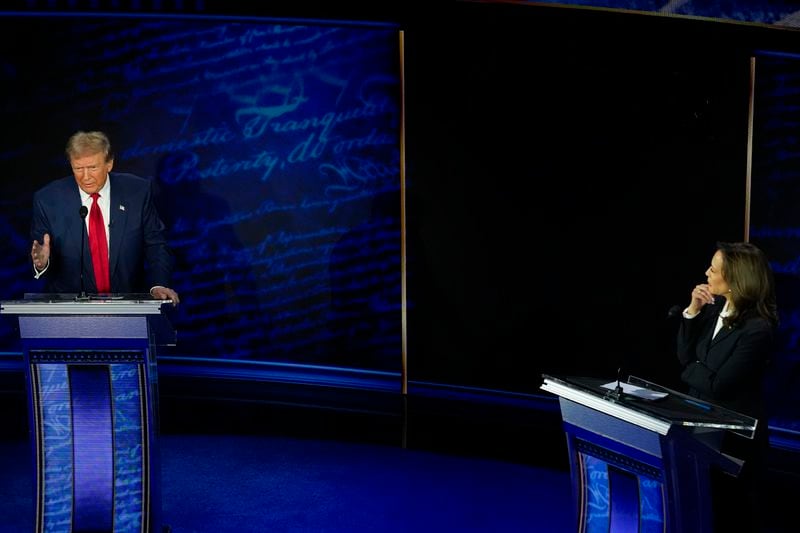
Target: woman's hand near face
{"x": 701, "y": 295}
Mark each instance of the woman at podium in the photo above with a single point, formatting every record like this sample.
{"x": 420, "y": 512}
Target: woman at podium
{"x": 724, "y": 344}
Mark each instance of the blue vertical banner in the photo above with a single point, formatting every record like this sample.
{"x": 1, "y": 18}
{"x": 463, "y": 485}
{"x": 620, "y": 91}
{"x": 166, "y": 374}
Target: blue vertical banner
{"x": 92, "y": 449}
{"x": 596, "y": 494}
{"x": 54, "y": 453}
{"x": 130, "y": 438}
{"x": 652, "y": 502}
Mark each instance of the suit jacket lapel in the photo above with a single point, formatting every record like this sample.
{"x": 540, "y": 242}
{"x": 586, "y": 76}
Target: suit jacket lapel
{"x": 709, "y": 338}
{"x": 118, "y": 218}
{"x": 723, "y": 333}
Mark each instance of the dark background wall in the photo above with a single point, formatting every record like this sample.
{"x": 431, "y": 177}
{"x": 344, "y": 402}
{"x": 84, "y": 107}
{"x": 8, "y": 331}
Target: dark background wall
{"x": 570, "y": 175}
{"x": 573, "y": 172}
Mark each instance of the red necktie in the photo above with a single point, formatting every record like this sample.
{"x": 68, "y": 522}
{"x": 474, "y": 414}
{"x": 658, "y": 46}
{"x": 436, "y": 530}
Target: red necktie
{"x": 99, "y": 246}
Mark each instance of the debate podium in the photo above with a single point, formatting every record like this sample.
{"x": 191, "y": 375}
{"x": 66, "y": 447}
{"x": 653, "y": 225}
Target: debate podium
{"x": 641, "y": 461}
{"x": 93, "y": 409}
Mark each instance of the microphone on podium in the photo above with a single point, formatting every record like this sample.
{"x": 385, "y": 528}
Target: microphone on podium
{"x": 83, "y": 212}
{"x": 618, "y": 389}
{"x": 674, "y": 311}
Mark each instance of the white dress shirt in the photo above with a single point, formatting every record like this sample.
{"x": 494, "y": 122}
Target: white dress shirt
{"x": 725, "y": 312}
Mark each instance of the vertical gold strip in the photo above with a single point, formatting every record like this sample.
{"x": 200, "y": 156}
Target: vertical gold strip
{"x": 748, "y": 179}
{"x": 403, "y": 301}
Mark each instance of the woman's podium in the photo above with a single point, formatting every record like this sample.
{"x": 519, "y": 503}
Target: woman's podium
{"x": 641, "y": 455}
{"x": 93, "y": 404}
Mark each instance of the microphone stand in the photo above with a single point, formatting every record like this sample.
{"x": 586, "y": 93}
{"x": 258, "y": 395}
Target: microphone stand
{"x": 83, "y": 212}
{"x": 618, "y": 388}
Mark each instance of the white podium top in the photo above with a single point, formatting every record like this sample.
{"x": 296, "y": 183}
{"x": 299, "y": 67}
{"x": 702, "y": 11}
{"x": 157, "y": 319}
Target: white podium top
{"x": 66, "y": 316}
{"x": 671, "y": 409}
{"x": 95, "y": 305}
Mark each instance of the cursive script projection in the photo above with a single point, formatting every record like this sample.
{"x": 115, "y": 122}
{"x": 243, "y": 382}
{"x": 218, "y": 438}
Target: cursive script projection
{"x": 274, "y": 150}
{"x": 56, "y": 421}
{"x": 129, "y": 435}
{"x": 598, "y": 501}
{"x": 775, "y": 221}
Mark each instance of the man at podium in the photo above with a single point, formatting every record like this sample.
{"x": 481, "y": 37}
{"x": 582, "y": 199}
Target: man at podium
{"x": 98, "y": 231}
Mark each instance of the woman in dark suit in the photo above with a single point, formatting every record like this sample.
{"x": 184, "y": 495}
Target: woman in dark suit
{"x": 725, "y": 343}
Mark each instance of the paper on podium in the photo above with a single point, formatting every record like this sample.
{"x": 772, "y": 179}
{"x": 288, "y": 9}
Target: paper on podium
{"x": 633, "y": 390}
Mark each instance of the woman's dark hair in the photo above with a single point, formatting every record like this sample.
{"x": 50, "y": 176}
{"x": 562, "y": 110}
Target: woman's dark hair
{"x": 749, "y": 275}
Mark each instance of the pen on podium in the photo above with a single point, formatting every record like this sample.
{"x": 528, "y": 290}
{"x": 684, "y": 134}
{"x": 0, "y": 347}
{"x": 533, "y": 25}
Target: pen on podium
{"x": 697, "y": 404}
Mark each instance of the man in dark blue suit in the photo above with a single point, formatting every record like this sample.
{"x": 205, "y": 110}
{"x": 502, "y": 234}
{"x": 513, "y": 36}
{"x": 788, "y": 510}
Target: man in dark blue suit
{"x": 139, "y": 259}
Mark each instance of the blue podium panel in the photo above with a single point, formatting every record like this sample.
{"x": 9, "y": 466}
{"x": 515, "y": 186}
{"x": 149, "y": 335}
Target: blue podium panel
{"x": 641, "y": 461}
{"x": 618, "y": 488}
{"x": 93, "y": 409}
{"x": 91, "y": 440}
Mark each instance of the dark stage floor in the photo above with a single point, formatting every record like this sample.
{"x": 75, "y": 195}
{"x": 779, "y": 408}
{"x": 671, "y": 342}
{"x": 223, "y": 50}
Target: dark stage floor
{"x": 228, "y": 483}
{"x": 284, "y": 462}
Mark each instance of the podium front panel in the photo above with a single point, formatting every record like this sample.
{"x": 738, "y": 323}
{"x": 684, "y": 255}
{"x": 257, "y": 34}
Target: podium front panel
{"x": 616, "y": 499}
{"x": 92, "y": 440}
{"x": 83, "y": 327}
{"x": 618, "y": 472}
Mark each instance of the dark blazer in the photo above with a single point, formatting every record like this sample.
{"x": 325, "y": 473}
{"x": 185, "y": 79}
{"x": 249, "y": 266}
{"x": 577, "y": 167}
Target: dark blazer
{"x": 729, "y": 369}
{"x": 139, "y": 257}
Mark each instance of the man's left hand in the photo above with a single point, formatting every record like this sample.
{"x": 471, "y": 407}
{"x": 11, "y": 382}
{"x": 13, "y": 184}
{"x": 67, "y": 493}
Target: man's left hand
{"x": 165, "y": 293}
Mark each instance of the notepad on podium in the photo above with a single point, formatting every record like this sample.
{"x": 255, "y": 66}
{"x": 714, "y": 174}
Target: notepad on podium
{"x": 633, "y": 390}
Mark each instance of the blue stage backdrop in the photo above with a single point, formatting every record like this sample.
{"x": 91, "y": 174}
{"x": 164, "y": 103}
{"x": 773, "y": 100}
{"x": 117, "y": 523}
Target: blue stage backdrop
{"x": 778, "y": 13}
{"x": 775, "y": 219}
{"x": 275, "y": 148}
